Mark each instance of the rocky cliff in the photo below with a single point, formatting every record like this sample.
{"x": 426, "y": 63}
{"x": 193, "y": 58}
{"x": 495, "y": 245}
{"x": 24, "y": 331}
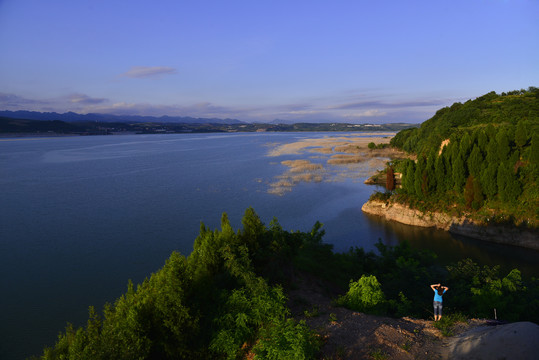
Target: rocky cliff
{"x": 502, "y": 234}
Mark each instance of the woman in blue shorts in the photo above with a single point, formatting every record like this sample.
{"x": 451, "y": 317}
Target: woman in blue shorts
{"x": 439, "y": 291}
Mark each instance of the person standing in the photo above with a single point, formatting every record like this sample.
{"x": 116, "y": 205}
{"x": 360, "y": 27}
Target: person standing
{"x": 439, "y": 291}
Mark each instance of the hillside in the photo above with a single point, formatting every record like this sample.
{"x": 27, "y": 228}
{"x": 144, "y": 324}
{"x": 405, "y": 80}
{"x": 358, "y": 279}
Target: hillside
{"x": 266, "y": 292}
{"x": 506, "y": 110}
{"x": 479, "y": 160}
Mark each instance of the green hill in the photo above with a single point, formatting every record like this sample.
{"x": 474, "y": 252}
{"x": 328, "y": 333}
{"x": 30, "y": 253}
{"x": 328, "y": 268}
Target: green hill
{"x": 480, "y": 158}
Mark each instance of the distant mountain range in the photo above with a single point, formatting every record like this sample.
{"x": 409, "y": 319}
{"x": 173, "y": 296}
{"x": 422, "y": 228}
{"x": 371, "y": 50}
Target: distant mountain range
{"x": 74, "y": 117}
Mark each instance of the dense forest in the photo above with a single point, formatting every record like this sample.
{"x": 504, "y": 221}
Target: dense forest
{"x": 227, "y": 299}
{"x": 480, "y": 158}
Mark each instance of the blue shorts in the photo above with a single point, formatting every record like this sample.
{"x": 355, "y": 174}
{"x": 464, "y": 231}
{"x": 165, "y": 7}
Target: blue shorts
{"x": 437, "y": 307}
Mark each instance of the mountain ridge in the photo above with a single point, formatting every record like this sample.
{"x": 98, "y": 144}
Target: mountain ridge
{"x": 75, "y": 117}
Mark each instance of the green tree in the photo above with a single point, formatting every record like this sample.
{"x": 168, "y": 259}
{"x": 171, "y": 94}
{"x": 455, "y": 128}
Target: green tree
{"x": 503, "y": 147}
{"x": 521, "y": 135}
{"x": 489, "y": 180}
{"x": 440, "y": 175}
{"x": 478, "y": 194}
{"x": 430, "y": 172}
{"x": 465, "y": 145}
{"x": 482, "y": 141}
{"x": 408, "y": 176}
{"x": 420, "y": 179}
{"x": 475, "y": 162}
{"x": 492, "y": 152}
{"x": 459, "y": 174}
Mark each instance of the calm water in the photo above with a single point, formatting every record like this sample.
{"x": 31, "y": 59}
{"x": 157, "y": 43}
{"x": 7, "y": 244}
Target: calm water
{"x": 79, "y": 216}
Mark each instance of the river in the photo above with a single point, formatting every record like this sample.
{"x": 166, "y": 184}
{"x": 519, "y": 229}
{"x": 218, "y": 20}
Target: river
{"x": 79, "y": 216}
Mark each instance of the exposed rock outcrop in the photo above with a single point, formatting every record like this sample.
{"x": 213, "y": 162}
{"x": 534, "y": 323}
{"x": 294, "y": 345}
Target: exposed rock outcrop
{"x": 502, "y": 234}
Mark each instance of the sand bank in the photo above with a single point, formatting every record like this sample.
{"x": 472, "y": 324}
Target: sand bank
{"x": 331, "y": 158}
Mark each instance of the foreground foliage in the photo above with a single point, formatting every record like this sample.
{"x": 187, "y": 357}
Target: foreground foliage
{"x": 227, "y": 299}
{"x": 395, "y": 282}
{"x": 213, "y": 304}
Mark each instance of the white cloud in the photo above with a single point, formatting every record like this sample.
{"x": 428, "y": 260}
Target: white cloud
{"x": 142, "y": 72}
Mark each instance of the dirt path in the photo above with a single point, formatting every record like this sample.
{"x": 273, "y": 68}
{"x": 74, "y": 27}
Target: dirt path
{"x": 346, "y": 334}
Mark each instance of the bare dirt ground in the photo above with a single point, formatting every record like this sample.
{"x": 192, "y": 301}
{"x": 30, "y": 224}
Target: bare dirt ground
{"x": 346, "y": 334}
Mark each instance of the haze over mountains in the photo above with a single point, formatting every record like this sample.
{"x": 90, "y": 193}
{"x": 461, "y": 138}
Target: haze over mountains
{"x": 74, "y": 117}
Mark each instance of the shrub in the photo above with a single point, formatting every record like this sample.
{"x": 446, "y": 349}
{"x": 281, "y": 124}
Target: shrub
{"x": 365, "y": 295}
{"x": 286, "y": 340}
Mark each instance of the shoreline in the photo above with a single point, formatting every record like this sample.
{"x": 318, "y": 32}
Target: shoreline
{"x": 500, "y": 234}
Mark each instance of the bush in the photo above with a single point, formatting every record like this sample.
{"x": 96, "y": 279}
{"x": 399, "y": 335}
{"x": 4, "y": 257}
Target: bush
{"x": 365, "y": 295}
{"x": 286, "y": 340}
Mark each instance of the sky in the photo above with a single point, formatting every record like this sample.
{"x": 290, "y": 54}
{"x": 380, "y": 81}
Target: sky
{"x": 261, "y": 60}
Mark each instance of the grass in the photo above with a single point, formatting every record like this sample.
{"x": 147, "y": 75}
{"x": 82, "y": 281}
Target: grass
{"x": 446, "y": 324}
{"x": 378, "y": 354}
{"x": 406, "y": 346}
{"x": 345, "y": 159}
{"x": 313, "y": 312}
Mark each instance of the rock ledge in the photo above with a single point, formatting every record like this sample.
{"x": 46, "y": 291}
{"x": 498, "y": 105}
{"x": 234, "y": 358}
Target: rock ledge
{"x": 502, "y": 234}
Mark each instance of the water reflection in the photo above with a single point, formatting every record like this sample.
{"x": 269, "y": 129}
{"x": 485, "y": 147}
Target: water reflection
{"x": 452, "y": 248}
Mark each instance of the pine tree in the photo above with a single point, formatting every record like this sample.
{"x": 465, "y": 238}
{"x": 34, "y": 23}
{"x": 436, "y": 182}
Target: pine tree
{"x": 521, "y": 136}
{"x": 419, "y": 179}
{"x": 492, "y": 152}
{"x": 509, "y": 187}
{"x": 489, "y": 180}
{"x": 459, "y": 174}
{"x": 475, "y": 161}
{"x": 429, "y": 173}
{"x": 408, "y": 177}
{"x": 477, "y": 194}
{"x": 501, "y": 180}
{"x": 482, "y": 141}
{"x": 465, "y": 145}
{"x": 503, "y": 147}
{"x": 440, "y": 174}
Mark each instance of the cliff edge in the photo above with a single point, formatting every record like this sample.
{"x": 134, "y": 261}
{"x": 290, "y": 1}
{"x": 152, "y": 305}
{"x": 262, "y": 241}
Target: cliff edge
{"x": 502, "y": 234}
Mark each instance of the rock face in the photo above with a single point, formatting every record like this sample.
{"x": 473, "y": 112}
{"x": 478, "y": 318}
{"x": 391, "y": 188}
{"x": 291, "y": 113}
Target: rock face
{"x": 511, "y": 341}
{"x": 457, "y": 225}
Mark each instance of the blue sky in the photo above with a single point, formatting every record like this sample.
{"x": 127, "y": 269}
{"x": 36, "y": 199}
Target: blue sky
{"x": 257, "y": 60}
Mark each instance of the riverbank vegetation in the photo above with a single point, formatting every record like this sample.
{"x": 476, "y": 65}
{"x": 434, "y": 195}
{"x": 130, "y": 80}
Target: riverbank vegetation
{"x": 227, "y": 299}
{"x": 480, "y": 159}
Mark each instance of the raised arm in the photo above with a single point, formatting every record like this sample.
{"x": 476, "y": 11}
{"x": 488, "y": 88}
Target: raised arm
{"x": 433, "y": 286}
